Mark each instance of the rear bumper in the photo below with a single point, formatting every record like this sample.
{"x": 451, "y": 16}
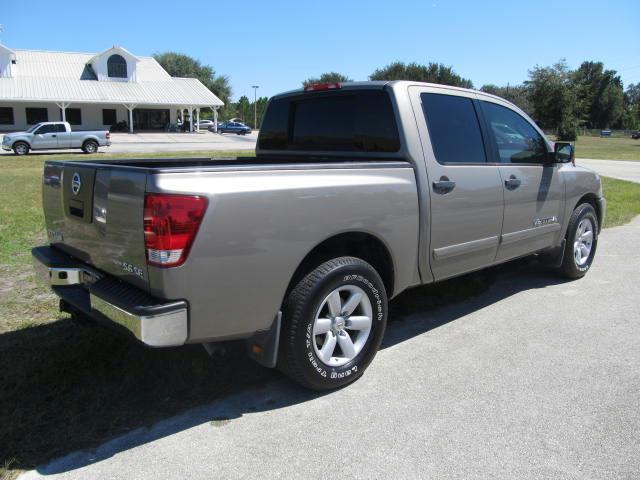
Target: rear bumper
{"x": 155, "y": 322}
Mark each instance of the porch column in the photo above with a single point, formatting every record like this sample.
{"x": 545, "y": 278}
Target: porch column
{"x": 190, "y": 119}
{"x": 198, "y": 120}
{"x": 63, "y": 108}
{"x": 215, "y": 119}
{"x": 130, "y": 107}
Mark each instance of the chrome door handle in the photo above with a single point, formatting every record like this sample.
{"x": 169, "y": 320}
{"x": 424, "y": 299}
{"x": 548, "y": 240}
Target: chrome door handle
{"x": 53, "y": 136}
{"x": 443, "y": 186}
{"x": 512, "y": 183}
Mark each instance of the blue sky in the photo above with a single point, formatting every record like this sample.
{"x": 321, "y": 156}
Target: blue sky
{"x": 277, "y": 44}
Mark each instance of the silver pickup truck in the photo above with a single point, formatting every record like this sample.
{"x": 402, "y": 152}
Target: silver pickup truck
{"x": 357, "y": 192}
{"x": 55, "y": 136}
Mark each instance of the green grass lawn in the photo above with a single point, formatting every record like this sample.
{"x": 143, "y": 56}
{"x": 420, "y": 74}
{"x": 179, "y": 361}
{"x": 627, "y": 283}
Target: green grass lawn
{"x": 608, "y": 148}
{"x": 68, "y": 387}
{"x": 623, "y": 201}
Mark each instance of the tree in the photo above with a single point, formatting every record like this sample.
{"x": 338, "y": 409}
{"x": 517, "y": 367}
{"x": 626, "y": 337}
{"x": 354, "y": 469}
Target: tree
{"x": 631, "y": 115}
{"x": 554, "y": 99}
{"x": 329, "y": 77}
{"x": 180, "y": 65}
{"x": 517, "y": 94}
{"x": 244, "y": 108}
{"x": 600, "y": 95}
{"x": 432, "y": 73}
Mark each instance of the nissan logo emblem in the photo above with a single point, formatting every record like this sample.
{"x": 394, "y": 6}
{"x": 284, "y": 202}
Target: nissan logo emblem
{"x": 76, "y": 183}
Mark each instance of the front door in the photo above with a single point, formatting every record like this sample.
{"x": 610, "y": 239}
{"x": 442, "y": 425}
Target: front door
{"x": 533, "y": 188}
{"x": 466, "y": 199}
{"x": 45, "y": 137}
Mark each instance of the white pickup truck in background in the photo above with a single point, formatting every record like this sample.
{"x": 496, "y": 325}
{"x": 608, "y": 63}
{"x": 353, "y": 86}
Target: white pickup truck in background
{"x": 54, "y": 136}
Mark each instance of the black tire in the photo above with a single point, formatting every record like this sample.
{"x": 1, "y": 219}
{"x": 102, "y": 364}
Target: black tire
{"x": 571, "y": 267}
{"x": 90, "y": 146}
{"x": 298, "y": 358}
{"x": 21, "y": 148}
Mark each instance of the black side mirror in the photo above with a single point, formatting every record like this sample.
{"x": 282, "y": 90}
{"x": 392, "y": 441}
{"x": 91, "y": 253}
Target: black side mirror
{"x": 564, "y": 152}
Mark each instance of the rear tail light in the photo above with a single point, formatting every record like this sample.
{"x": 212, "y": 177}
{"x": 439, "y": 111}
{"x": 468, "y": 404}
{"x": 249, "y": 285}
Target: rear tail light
{"x": 108, "y": 135}
{"x": 316, "y": 87}
{"x": 171, "y": 223}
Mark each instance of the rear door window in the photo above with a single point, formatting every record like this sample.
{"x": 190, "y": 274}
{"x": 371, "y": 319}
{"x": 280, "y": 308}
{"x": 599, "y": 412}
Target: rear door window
{"x": 515, "y": 137}
{"x": 349, "y": 121}
{"x": 454, "y": 128}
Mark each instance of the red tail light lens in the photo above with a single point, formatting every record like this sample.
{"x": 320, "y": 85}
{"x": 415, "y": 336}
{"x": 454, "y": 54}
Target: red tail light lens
{"x": 171, "y": 223}
{"x": 316, "y": 87}
{"x": 108, "y": 135}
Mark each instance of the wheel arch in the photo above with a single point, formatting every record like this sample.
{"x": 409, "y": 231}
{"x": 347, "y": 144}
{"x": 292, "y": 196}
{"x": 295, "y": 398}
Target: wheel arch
{"x": 358, "y": 244}
{"x": 591, "y": 199}
{"x": 21, "y": 140}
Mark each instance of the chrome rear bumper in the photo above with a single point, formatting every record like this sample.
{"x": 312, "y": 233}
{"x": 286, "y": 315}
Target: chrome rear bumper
{"x": 153, "y": 321}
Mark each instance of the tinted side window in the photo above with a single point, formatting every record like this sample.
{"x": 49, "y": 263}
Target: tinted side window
{"x": 61, "y": 128}
{"x": 47, "y": 129}
{"x": 517, "y": 140}
{"x": 349, "y": 121}
{"x": 454, "y": 128}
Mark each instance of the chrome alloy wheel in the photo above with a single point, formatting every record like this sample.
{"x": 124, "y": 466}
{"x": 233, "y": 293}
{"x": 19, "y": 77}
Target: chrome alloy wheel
{"x": 342, "y": 325}
{"x": 583, "y": 242}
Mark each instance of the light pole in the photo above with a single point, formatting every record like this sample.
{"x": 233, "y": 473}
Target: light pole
{"x": 255, "y": 106}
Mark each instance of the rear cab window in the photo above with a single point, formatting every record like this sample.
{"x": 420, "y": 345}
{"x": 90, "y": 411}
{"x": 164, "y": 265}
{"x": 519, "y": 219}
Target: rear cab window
{"x": 345, "y": 121}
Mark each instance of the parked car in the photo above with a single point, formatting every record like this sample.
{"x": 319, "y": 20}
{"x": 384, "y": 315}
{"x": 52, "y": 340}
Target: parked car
{"x": 55, "y": 135}
{"x": 206, "y": 124}
{"x": 635, "y": 135}
{"x": 355, "y": 194}
{"x": 233, "y": 127}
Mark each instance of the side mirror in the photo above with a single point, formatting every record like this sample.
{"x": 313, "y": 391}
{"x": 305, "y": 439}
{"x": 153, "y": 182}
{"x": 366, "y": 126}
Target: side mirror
{"x": 564, "y": 152}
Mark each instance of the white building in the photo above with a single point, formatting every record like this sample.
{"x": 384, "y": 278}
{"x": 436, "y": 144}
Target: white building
{"x": 94, "y": 91}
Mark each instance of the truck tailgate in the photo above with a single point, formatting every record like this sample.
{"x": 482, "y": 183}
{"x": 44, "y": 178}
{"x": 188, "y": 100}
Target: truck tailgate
{"x": 96, "y": 215}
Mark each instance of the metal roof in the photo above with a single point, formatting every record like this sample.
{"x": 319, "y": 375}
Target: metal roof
{"x": 64, "y": 77}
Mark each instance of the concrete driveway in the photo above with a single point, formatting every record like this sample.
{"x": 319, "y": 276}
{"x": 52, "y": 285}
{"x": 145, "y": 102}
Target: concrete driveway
{"x": 621, "y": 169}
{"x": 534, "y": 378}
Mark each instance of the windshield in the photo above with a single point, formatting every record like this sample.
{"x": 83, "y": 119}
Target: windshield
{"x": 33, "y": 129}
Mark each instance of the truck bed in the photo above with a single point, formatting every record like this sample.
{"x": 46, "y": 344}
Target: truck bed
{"x": 162, "y": 165}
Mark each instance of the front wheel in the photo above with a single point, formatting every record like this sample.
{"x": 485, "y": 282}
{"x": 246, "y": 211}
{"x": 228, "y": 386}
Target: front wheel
{"x": 581, "y": 242}
{"x": 20, "y": 148}
{"x": 333, "y": 323}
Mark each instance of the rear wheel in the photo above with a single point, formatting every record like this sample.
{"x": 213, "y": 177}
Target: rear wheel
{"x": 20, "y": 148}
{"x": 90, "y": 146}
{"x": 581, "y": 242}
{"x": 333, "y": 323}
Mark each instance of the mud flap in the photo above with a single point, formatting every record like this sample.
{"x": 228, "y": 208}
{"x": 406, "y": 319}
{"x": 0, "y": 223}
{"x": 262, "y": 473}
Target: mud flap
{"x": 555, "y": 256}
{"x": 263, "y": 346}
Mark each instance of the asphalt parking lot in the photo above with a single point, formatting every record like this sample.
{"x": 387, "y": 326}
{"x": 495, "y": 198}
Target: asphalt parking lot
{"x": 170, "y": 142}
{"x": 534, "y": 377}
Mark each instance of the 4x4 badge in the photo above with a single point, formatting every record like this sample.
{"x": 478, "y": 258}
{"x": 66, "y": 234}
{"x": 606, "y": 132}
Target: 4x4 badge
{"x": 76, "y": 183}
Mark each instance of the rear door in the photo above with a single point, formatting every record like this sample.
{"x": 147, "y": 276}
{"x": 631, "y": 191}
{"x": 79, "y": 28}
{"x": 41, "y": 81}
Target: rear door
{"x": 64, "y": 137}
{"x": 45, "y": 137}
{"x": 533, "y": 187}
{"x": 466, "y": 196}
